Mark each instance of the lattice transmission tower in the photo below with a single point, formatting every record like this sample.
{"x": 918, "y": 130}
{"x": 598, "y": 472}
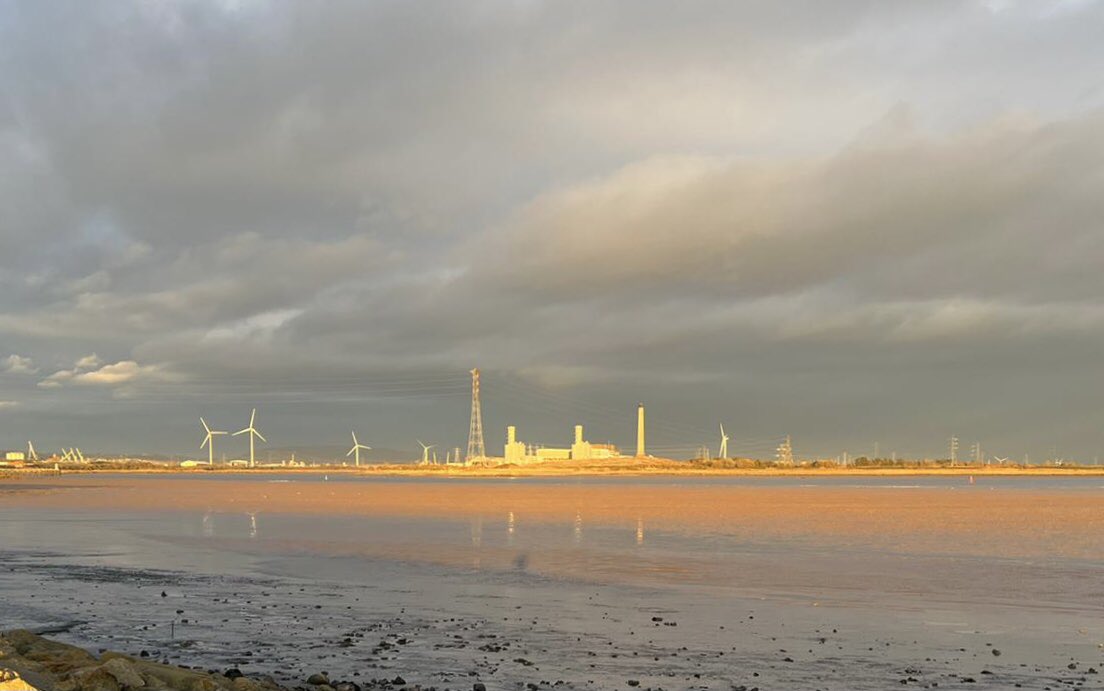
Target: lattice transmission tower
{"x": 476, "y": 450}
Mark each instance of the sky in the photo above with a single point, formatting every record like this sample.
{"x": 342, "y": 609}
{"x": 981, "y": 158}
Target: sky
{"x": 855, "y": 223}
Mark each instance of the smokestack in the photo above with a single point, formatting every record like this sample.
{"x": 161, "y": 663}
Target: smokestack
{"x": 640, "y": 430}
{"x": 578, "y": 434}
{"x": 511, "y": 434}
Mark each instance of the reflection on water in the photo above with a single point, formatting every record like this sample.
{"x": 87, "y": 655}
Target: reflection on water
{"x": 714, "y": 575}
{"x": 477, "y": 531}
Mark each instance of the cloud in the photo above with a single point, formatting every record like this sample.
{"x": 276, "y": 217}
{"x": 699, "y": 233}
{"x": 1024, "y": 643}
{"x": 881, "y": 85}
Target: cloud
{"x": 91, "y": 371}
{"x": 123, "y": 372}
{"x": 88, "y": 362}
{"x": 17, "y": 364}
{"x": 593, "y": 199}
{"x": 958, "y": 213}
{"x": 8, "y": 405}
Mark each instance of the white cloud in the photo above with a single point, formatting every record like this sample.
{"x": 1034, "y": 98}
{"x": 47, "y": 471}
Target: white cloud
{"x": 7, "y": 405}
{"x": 123, "y": 372}
{"x": 17, "y": 364}
{"x": 88, "y": 362}
{"x": 90, "y": 371}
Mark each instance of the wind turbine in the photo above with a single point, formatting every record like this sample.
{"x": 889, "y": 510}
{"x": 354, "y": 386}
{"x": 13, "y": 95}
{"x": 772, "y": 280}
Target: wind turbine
{"x": 209, "y": 442}
{"x": 252, "y": 433}
{"x": 1000, "y": 460}
{"x": 425, "y": 452}
{"x": 724, "y": 443}
{"x": 357, "y": 446}
{"x": 31, "y": 452}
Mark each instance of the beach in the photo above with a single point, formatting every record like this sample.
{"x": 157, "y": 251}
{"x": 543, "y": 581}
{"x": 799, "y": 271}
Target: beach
{"x": 666, "y": 582}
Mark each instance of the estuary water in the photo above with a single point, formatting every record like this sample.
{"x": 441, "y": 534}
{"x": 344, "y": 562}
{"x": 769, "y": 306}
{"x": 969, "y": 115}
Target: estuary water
{"x": 825, "y": 583}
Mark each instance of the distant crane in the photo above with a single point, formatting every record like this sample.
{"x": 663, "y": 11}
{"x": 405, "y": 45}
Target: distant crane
{"x": 209, "y": 441}
{"x": 723, "y": 453}
{"x": 357, "y": 446}
{"x": 425, "y": 451}
{"x": 252, "y": 430}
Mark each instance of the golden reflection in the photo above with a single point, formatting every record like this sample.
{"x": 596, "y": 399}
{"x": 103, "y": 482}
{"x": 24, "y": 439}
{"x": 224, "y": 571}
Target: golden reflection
{"x": 477, "y": 531}
{"x": 639, "y": 530}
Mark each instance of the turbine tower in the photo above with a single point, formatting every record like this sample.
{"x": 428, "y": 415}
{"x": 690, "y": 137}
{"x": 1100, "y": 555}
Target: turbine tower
{"x": 476, "y": 449}
{"x": 252, "y": 433}
{"x": 209, "y": 441}
{"x": 357, "y": 446}
{"x": 425, "y": 452}
{"x": 724, "y": 443}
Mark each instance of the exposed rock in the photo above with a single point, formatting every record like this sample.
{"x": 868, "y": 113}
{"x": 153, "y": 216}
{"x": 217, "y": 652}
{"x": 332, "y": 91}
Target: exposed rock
{"x": 11, "y": 681}
{"x": 94, "y": 679}
{"x": 30, "y": 663}
{"x": 124, "y": 673}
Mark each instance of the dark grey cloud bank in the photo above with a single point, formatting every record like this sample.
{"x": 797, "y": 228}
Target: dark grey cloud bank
{"x": 848, "y": 222}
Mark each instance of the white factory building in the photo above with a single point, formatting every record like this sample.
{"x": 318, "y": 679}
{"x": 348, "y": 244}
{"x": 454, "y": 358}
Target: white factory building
{"x": 520, "y": 453}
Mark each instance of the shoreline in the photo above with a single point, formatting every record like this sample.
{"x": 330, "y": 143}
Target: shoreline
{"x": 31, "y": 662}
{"x": 672, "y": 469}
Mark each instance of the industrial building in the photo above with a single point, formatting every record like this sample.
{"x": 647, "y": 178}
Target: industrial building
{"x": 520, "y": 453}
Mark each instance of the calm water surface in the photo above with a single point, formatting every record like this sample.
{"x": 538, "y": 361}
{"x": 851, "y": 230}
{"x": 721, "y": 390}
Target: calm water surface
{"x": 509, "y": 602}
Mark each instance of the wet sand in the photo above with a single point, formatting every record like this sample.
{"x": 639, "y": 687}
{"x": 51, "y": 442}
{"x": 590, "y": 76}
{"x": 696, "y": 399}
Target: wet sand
{"x": 676, "y": 585}
{"x": 967, "y": 519}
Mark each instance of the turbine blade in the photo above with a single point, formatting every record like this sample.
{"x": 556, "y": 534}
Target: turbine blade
{"x": 350, "y": 452}
{"x": 261, "y": 436}
{"x": 206, "y": 441}
{"x": 205, "y": 425}
{"x": 240, "y": 432}
{"x": 253, "y": 417}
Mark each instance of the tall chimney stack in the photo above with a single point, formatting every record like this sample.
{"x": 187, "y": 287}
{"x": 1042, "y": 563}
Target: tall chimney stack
{"x": 578, "y": 434}
{"x": 640, "y": 430}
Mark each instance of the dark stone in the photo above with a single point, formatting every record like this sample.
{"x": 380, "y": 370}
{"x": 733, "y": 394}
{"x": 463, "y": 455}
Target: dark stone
{"x": 233, "y": 673}
{"x": 479, "y": 686}
{"x": 318, "y": 680}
